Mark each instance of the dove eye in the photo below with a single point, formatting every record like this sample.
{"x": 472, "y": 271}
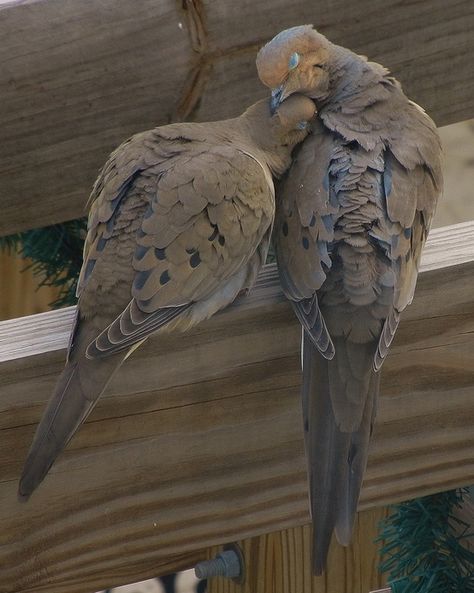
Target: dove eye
{"x": 301, "y": 125}
{"x": 294, "y": 60}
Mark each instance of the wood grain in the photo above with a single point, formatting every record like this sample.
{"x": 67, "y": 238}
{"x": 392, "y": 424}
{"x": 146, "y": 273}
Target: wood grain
{"x": 423, "y": 43}
{"x": 281, "y": 562}
{"x": 447, "y": 246}
{"x": 198, "y": 439}
{"x": 77, "y": 78}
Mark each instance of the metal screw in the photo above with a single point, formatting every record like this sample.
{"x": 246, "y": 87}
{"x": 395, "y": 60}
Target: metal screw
{"x": 227, "y": 564}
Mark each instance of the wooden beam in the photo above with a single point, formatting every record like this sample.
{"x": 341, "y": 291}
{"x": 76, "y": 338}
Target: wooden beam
{"x": 281, "y": 562}
{"x": 78, "y": 78}
{"x": 198, "y": 440}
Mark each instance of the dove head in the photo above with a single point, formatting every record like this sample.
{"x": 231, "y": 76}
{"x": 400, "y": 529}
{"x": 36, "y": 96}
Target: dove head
{"x": 277, "y": 131}
{"x": 297, "y": 60}
{"x": 291, "y": 119}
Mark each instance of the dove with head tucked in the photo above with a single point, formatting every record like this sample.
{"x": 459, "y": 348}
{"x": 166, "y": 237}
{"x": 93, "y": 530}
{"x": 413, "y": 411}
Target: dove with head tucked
{"x": 352, "y": 216}
{"x": 180, "y": 222}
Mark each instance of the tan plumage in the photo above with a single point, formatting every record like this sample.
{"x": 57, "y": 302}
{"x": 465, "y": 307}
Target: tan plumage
{"x": 180, "y": 222}
{"x": 352, "y": 217}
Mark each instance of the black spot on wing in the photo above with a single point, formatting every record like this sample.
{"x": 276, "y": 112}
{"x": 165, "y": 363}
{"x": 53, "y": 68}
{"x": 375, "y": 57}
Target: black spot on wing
{"x": 110, "y": 225}
{"x": 160, "y": 253}
{"x": 165, "y": 278}
{"x": 195, "y": 260}
{"x": 284, "y": 228}
{"x": 214, "y": 233}
{"x": 140, "y": 279}
{"x": 101, "y": 244}
{"x": 140, "y": 251}
{"x": 89, "y": 267}
{"x": 221, "y": 240}
{"x": 305, "y": 242}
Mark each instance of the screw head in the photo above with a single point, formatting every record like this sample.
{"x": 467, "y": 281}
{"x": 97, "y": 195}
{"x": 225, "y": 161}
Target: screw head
{"x": 228, "y": 564}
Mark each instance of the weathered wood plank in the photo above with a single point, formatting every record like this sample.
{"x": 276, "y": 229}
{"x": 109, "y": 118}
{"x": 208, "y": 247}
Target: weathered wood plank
{"x": 45, "y": 332}
{"x": 78, "y": 78}
{"x": 281, "y": 562}
{"x": 198, "y": 439}
{"x": 425, "y": 44}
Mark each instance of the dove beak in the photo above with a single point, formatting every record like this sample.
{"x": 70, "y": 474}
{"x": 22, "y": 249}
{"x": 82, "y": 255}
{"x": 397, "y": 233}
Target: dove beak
{"x": 276, "y": 99}
{"x": 279, "y": 94}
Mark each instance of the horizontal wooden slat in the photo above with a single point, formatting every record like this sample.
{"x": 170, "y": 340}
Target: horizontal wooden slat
{"x": 45, "y": 332}
{"x": 77, "y": 78}
{"x": 198, "y": 440}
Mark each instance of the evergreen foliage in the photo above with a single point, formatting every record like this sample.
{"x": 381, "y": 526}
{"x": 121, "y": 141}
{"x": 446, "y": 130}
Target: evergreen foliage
{"x": 424, "y": 546}
{"x": 56, "y": 255}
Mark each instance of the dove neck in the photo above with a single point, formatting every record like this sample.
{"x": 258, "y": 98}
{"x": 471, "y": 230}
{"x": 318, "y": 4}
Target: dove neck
{"x": 267, "y": 144}
{"x": 276, "y": 156}
{"x": 353, "y": 79}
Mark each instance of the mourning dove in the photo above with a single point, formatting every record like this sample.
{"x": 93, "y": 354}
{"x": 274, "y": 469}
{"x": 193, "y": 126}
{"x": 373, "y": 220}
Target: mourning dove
{"x": 353, "y": 214}
{"x": 180, "y": 222}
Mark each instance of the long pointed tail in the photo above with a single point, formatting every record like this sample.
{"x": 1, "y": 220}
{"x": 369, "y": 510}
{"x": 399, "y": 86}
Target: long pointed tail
{"x": 75, "y": 395}
{"x": 338, "y": 407}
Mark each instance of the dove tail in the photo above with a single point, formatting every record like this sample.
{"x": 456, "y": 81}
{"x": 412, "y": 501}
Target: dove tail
{"x": 75, "y": 395}
{"x": 338, "y": 408}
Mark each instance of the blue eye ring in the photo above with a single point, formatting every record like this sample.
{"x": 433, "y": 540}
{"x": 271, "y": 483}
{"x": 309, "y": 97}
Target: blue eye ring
{"x": 302, "y": 125}
{"x": 294, "y": 60}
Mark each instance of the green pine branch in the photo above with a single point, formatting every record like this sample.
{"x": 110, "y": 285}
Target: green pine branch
{"x": 424, "y": 547}
{"x": 56, "y": 255}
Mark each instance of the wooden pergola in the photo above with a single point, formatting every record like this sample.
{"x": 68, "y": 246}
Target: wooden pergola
{"x": 198, "y": 441}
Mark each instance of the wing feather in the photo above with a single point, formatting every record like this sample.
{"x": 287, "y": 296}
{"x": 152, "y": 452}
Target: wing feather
{"x": 304, "y": 229}
{"x": 190, "y": 247}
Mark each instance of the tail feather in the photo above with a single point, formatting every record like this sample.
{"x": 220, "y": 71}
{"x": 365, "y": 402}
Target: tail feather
{"x": 356, "y": 465}
{"x": 336, "y": 446}
{"x": 77, "y": 390}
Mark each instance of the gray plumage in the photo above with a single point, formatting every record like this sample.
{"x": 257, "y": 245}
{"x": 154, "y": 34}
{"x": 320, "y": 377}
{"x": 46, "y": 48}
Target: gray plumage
{"x": 180, "y": 222}
{"x": 352, "y": 217}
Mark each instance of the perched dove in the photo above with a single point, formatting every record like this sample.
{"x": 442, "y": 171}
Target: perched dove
{"x": 179, "y": 224}
{"x": 352, "y": 217}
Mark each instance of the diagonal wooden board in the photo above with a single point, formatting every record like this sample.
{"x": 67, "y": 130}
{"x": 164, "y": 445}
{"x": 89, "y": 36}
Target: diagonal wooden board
{"x": 198, "y": 440}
